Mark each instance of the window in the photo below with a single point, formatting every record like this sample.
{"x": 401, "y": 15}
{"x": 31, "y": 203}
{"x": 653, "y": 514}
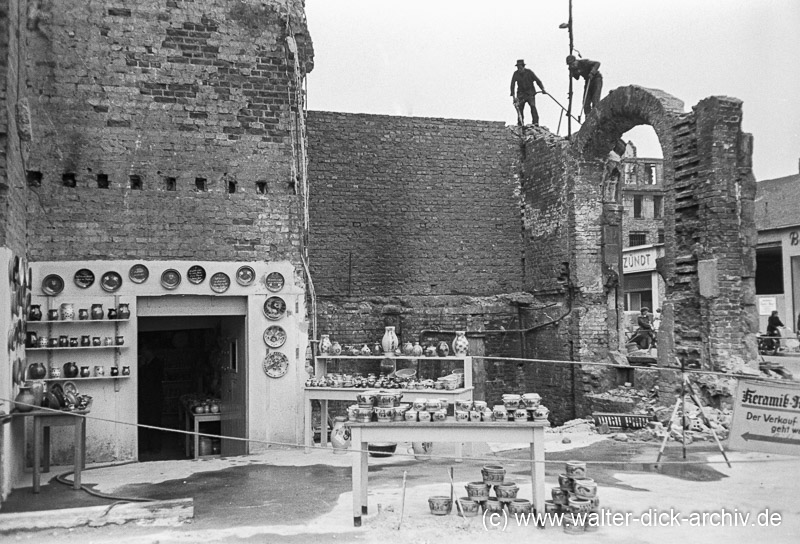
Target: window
{"x": 261, "y": 187}
{"x": 769, "y": 271}
{"x": 200, "y": 184}
{"x": 34, "y": 178}
{"x": 660, "y": 236}
{"x": 102, "y": 181}
{"x": 637, "y": 206}
{"x": 650, "y": 174}
{"x": 231, "y": 187}
{"x": 170, "y": 183}
{"x": 68, "y": 179}
{"x": 630, "y": 174}
{"x": 136, "y": 182}
{"x": 638, "y": 290}
{"x": 637, "y": 238}
{"x": 658, "y": 206}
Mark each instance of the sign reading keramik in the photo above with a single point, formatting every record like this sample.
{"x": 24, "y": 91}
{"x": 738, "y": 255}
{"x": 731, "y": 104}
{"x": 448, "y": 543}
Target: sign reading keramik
{"x": 766, "y": 417}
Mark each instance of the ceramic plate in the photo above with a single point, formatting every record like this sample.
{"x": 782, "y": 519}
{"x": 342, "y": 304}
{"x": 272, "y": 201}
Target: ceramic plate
{"x": 275, "y": 336}
{"x": 274, "y": 308}
{"x": 52, "y": 284}
{"x": 110, "y": 282}
{"x": 16, "y": 272}
{"x": 274, "y": 281}
{"x": 276, "y": 364}
{"x": 70, "y": 387}
{"x": 245, "y": 275}
{"x": 138, "y": 273}
{"x": 15, "y": 372}
{"x": 84, "y": 278}
{"x": 196, "y": 274}
{"x": 219, "y": 282}
{"x": 170, "y": 279}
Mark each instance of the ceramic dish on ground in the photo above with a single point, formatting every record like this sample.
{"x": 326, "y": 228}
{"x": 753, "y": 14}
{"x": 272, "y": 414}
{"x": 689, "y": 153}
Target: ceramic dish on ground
{"x": 274, "y": 336}
{"x": 52, "y": 284}
{"x": 138, "y": 273}
{"x": 274, "y": 308}
{"x": 245, "y": 275}
{"x": 110, "y": 282}
{"x": 170, "y": 279}
{"x": 84, "y": 278}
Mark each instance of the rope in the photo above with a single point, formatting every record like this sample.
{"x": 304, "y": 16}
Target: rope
{"x": 493, "y": 458}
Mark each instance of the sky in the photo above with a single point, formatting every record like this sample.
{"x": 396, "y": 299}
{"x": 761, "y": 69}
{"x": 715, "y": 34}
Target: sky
{"x": 455, "y": 58}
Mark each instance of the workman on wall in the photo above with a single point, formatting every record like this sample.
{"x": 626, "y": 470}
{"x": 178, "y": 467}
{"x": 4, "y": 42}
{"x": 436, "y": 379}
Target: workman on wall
{"x": 593, "y": 80}
{"x": 524, "y": 79}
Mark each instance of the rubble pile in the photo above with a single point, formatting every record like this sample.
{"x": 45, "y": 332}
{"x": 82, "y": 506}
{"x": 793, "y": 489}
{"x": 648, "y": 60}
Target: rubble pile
{"x": 624, "y": 399}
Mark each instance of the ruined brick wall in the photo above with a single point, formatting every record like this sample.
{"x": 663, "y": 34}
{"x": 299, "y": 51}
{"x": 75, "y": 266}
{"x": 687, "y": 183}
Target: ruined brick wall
{"x": 167, "y": 129}
{"x": 14, "y": 128}
{"x": 636, "y": 183}
{"x": 412, "y": 206}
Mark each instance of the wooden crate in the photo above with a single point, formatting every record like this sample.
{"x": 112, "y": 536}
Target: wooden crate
{"x": 623, "y": 421}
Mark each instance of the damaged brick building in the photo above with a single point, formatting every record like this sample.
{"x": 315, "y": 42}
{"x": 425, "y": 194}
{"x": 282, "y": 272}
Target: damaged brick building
{"x": 173, "y": 131}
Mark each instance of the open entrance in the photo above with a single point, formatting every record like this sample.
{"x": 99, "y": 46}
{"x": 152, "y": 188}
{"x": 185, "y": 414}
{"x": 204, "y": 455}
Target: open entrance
{"x": 192, "y": 372}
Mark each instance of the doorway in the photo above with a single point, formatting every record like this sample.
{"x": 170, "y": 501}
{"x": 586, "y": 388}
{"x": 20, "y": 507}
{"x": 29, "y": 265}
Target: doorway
{"x": 189, "y": 364}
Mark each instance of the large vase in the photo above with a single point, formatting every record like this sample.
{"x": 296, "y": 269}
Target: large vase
{"x": 37, "y": 371}
{"x": 24, "y": 401}
{"x": 460, "y": 344}
{"x": 389, "y": 342}
{"x": 325, "y": 344}
{"x": 340, "y": 435}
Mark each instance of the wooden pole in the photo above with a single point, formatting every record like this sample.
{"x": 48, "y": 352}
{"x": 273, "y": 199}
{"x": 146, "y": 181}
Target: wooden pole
{"x": 402, "y": 500}
{"x": 569, "y": 95}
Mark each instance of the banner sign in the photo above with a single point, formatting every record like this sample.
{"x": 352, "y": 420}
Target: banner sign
{"x": 766, "y": 417}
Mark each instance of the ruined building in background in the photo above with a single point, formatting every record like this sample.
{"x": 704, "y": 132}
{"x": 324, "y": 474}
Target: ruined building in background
{"x": 159, "y": 155}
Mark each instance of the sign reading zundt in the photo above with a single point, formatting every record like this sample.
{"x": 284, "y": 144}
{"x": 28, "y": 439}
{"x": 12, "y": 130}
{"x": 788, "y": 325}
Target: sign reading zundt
{"x": 766, "y": 417}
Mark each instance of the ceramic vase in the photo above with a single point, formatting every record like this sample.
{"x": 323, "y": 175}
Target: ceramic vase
{"x": 460, "y": 344}
{"x": 340, "y": 435}
{"x": 408, "y": 348}
{"x": 24, "y": 400}
{"x": 325, "y": 344}
{"x": 55, "y": 372}
{"x": 389, "y": 342}
{"x": 37, "y": 371}
{"x": 124, "y": 311}
{"x": 70, "y": 370}
{"x": 67, "y": 311}
{"x": 336, "y": 349}
{"x": 97, "y": 311}
{"x": 417, "y": 350}
{"x": 443, "y": 349}
{"x": 35, "y": 313}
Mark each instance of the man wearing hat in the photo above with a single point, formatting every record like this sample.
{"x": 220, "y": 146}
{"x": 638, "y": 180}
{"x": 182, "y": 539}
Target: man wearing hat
{"x": 593, "y": 80}
{"x": 526, "y": 92}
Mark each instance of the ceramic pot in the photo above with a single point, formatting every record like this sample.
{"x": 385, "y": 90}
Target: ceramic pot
{"x": 424, "y": 416}
{"x": 468, "y": 508}
{"x": 541, "y": 413}
{"x": 70, "y": 370}
{"x": 385, "y": 399}
{"x": 24, "y": 401}
{"x": 126, "y": 371}
{"x": 566, "y": 483}
{"x": 124, "y": 311}
{"x": 440, "y": 505}
{"x": 477, "y": 491}
{"x": 376, "y": 349}
{"x": 410, "y": 415}
{"x": 86, "y": 340}
{"x": 31, "y": 339}
{"x": 73, "y": 341}
{"x": 97, "y": 311}
{"x": 462, "y": 416}
{"x": 576, "y": 469}
{"x": 112, "y": 313}
{"x": 408, "y": 348}
{"x": 531, "y": 400}
{"x": 463, "y": 404}
{"x": 585, "y": 488}
{"x": 336, "y": 349}
{"x": 85, "y": 372}
{"x": 37, "y": 371}
{"x": 559, "y": 495}
{"x": 493, "y": 505}
{"x": 506, "y": 492}
{"x": 115, "y": 371}
{"x": 460, "y": 344}
{"x": 35, "y": 313}
{"x": 430, "y": 351}
{"x": 417, "y": 350}
{"x": 493, "y": 474}
{"x": 579, "y": 505}
{"x": 325, "y": 344}
{"x": 519, "y": 506}
{"x": 384, "y": 414}
{"x": 443, "y": 349}
{"x": 55, "y": 372}
{"x": 389, "y": 342}
{"x": 67, "y": 311}
{"x": 340, "y": 435}
{"x": 83, "y": 314}
{"x": 365, "y": 351}
{"x": 521, "y": 415}
{"x": 38, "y": 390}
{"x": 52, "y": 315}
{"x": 366, "y": 398}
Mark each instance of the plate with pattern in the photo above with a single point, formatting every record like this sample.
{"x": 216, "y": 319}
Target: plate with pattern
{"x": 52, "y": 284}
{"x": 245, "y": 275}
{"x": 276, "y": 364}
{"x": 110, "y": 282}
{"x": 84, "y": 278}
{"x": 274, "y": 308}
{"x": 274, "y": 281}
{"x": 219, "y": 282}
{"x": 196, "y": 274}
{"x": 274, "y": 336}
{"x": 138, "y": 273}
{"x": 170, "y": 279}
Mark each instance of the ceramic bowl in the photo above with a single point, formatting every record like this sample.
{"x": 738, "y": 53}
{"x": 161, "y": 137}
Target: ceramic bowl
{"x": 468, "y": 507}
{"x": 440, "y": 505}
{"x": 382, "y": 449}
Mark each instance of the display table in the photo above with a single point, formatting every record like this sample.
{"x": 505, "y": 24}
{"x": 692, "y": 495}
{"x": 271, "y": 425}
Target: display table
{"x": 42, "y": 421}
{"x": 361, "y": 434}
{"x": 325, "y": 394}
{"x": 192, "y": 423}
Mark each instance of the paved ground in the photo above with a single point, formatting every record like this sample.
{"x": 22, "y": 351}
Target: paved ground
{"x": 288, "y": 496}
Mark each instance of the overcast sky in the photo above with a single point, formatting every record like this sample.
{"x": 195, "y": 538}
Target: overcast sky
{"x": 455, "y": 58}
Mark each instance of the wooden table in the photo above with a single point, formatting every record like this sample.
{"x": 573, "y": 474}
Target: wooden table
{"x": 42, "y": 421}
{"x": 361, "y": 434}
{"x": 192, "y": 422}
{"x": 325, "y": 394}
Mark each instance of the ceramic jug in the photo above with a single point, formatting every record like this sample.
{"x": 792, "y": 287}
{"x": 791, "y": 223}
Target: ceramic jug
{"x": 24, "y": 401}
{"x": 340, "y": 435}
{"x": 35, "y": 313}
{"x": 97, "y": 311}
{"x": 124, "y": 311}
{"x": 70, "y": 370}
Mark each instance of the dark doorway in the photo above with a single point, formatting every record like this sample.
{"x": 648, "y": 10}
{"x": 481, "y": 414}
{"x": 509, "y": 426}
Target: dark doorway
{"x": 183, "y": 362}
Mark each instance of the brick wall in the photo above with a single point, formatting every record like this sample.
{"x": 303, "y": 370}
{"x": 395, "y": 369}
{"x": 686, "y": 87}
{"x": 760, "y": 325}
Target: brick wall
{"x": 166, "y": 130}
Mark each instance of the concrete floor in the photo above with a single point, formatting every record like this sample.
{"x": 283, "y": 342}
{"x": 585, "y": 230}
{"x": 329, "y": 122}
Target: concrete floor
{"x": 288, "y": 496}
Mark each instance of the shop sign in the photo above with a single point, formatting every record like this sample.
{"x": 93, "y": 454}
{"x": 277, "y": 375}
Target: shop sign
{"x": 639, "y": 261}
{"x": 766, "y": 305}
{"x": 766, "y": 417}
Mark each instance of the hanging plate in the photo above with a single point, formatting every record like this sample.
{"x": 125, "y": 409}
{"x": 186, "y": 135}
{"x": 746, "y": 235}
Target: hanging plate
{"x": 110, "y": 282}
{"x": 15, "y": 372}
{"x": 274, "y": 308}
{"x": 219, "y": 282}
{"x": 170, "y": 279}
{"x": 138, "y": 273}
{"x": 70, "y": 387}
{"x": 52, "y": 284}
{"x": 275, "y": 336}
{"x": 196, "y": 274}
{"x": 274, "y": 281}
{"x": 276, "y": 364}
{"x": 84, "y": 278}
{"x": 245, "y": 275}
